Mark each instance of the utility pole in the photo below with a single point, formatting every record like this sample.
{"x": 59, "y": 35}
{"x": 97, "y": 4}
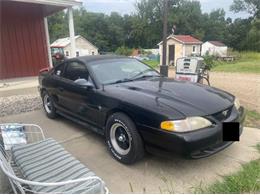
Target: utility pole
{"x": 164, "y": 67}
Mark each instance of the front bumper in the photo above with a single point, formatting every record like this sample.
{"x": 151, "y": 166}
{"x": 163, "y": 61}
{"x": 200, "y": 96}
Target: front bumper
{"x": 195, "y": 144}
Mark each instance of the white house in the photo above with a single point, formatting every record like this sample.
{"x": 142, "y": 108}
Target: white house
{"x": 180, "y": 46}
{"x": 82, "y": 46}
{"x": 215, "y": 48}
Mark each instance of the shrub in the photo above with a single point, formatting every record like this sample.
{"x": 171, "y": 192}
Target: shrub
{"x": 209, "y": 61}
{"x": 125, "y": 51}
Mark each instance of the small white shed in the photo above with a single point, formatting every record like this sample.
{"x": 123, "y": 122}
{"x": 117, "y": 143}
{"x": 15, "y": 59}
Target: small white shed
{"x": 179, "y": 46}
{"x": 83, "y": 46}
{"x": 215, "y": 48}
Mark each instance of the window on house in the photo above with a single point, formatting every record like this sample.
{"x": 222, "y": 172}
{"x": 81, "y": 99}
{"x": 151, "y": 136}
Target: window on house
{"x": 67, "y": 53}
{"x": 77, "y": 53}
{"x": 93, "y": 53}
{"x": 193, "y": 49}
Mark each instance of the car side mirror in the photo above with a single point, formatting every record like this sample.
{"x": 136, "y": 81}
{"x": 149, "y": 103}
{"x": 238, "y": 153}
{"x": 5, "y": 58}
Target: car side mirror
{"x": 83, "y": 83}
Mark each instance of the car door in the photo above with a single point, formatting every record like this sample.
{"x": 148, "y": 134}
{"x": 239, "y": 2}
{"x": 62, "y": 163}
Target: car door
{"x": 57, "y": 82}
{"x": 76, "y": 99}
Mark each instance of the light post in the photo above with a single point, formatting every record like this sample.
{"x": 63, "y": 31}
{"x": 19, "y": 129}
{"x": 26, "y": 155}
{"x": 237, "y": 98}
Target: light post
{"x": 164, "y": 67}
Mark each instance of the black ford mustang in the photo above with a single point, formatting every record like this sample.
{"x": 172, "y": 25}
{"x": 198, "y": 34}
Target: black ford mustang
{"x": 135, "y": 108}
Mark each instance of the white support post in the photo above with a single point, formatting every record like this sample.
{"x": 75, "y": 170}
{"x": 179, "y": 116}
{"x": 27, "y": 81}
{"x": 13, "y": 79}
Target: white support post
{"x": 183, "y": 51}
{"x": 72, "y": 32}
{"x": 48, "y": 41}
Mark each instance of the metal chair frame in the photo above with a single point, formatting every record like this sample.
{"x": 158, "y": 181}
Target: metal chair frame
{"x": 20, "y": 184}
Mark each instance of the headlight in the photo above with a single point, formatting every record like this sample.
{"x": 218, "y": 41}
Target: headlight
{"x": 237, "y": 103}
{"x": 188, "y": 124}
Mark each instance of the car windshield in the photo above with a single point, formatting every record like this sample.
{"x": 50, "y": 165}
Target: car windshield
{"x": 121, "y": 70}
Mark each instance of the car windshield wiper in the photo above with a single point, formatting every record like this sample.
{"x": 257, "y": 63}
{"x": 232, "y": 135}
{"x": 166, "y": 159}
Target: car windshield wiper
{"x": 137, "y": 76}
{"x": 120, "y": 81}
{"x": 141, "y": 75}
{"x": 145, "y": 76}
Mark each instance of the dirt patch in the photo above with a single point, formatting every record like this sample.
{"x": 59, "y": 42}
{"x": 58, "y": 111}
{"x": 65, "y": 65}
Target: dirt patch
{"x": 243, "y": 85}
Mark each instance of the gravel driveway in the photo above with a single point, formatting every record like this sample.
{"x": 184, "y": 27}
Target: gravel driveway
{"x": 16, "y": 104}
{"x": 243, "y": 85}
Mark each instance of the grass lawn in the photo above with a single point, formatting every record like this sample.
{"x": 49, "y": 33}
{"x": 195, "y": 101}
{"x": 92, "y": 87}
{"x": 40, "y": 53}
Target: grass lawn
{"x": 152, "y": 63}
{"x": 252, "y": 119}
{"x": 247, "y": 180}
{"x": 249, "y": 62}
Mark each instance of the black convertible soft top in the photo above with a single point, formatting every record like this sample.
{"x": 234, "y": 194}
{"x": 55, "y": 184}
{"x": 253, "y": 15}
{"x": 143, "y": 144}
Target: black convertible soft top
{"x": 88, "y": 59}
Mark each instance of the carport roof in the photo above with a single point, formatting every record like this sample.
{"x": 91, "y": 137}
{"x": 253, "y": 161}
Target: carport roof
{"x": 51, "y": 6}
{"x": 63, "y": 3}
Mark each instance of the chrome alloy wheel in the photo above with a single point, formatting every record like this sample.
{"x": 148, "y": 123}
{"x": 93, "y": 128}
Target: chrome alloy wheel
{"x": 120, "y": 139}
{"x": 47, "y": 104}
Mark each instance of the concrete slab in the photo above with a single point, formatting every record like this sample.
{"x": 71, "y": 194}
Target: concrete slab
{"x": 153, "y": 174}
{"x": 18, "y": 86}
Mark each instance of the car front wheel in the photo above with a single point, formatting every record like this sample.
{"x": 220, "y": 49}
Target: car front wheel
{"x": 123, "y": 140}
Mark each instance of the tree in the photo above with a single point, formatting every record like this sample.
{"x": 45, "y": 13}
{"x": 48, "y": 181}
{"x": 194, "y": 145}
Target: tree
{"x": 144, "y": 29}
{"x": 150, "y": 21}
{"x": 58, "y": 26}
{"x": 237, "y": 33}
{"x": 251, "y": 29}
{"x": 188, "y": 18}
{"x": 253, "y": 37}
{"x": 251, "y": 6}
{"x": 215, "y": 25}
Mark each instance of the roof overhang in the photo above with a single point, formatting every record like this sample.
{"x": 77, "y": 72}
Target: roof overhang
{"x": 61, "y": 3}
{"x": 52, "y": 6}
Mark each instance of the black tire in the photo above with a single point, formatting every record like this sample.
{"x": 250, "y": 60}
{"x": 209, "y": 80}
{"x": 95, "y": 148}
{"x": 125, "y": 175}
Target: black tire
{"x": 125, "y": 128}
{"x": 50, "y": 110}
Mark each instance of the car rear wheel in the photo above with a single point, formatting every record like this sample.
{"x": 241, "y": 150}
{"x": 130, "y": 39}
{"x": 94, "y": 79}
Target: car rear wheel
{"x": 123, "y": 140}
{"x": 48, "y": 105}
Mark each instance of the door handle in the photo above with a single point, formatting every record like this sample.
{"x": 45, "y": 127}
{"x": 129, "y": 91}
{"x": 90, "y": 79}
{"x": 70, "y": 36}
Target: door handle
{"x": 61, "y": 89}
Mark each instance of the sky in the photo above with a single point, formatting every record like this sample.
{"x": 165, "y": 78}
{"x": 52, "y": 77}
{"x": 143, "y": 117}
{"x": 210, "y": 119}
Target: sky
{"x": 127, "y": 6}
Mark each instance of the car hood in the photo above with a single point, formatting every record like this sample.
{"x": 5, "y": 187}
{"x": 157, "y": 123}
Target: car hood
{"x": 164, "y": 94}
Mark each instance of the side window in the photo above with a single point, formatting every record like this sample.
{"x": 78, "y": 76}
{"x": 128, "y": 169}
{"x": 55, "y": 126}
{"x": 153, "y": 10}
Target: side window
{"x": 76, "y": 70}
{"x": 59, "y": 70}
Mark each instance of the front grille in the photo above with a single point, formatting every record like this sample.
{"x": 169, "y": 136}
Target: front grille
{"x": 223, "y": 115}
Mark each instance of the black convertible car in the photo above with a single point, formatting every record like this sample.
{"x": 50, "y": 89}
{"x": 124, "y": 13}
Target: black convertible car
{"x": 136, "y": 108}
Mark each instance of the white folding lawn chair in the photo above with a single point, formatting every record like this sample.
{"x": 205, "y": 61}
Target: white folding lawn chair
{"x": 34, "y": 164}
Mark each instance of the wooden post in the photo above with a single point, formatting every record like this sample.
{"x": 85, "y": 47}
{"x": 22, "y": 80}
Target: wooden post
{"x": 164, "y": 67}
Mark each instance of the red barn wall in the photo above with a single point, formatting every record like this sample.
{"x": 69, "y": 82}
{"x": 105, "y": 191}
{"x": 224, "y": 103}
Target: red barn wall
{"x": 23, "y": 50}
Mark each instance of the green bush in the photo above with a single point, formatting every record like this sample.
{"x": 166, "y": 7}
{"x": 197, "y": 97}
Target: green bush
{"x": 125, "y": 51}
{"x": 209, "y": 61}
